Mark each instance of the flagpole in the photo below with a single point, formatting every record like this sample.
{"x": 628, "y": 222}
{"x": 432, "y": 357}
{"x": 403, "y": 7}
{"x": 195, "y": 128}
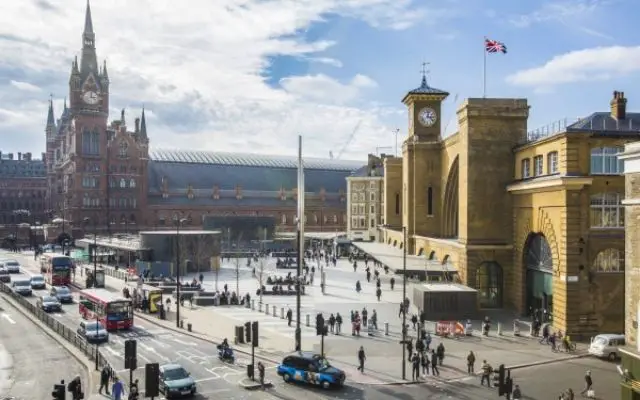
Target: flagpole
{"x": 484, "y": 68}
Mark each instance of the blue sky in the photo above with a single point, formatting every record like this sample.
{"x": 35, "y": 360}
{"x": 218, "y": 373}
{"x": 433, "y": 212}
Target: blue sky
{"x": 249, "y": 75}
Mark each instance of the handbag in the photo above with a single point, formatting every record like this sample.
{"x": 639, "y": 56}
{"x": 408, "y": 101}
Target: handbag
{"x": 591, "y": 394}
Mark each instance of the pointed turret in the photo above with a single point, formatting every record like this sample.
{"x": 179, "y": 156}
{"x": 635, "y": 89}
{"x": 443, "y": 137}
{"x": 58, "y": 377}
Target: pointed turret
{"x": 51, "y": 121}
{"x": 143, "y": 127}
{"x": 65, "y": 103}
{"x": 122, "y": 119}
{"x": 88, "y": 22}
{"x": 89, "y": 61}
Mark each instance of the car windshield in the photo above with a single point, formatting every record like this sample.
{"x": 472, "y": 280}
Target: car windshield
{"x": 49, "y": 299}
{"x": 175, "y": 374}
{"x": 322, "y": 364}
{"x": 37, "y": 279}
{"x": 23, "y": 283}
{"x": 93, "y": 326}
{"x": 12, "y": 263}
{"x": 600, "y": 341}
{"x": 62, "y": 290}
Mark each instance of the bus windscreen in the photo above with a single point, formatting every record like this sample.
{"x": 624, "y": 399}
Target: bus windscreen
{"x": 61, "y": 263}
{"x": 119, "y": 311}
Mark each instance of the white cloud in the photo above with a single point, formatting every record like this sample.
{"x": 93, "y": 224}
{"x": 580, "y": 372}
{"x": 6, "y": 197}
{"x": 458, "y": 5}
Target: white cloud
{"x": 600, "y": 63}
{"x": 26, "y": 86}
{"x": 200, "y": 69}
{"x": 326, "y": 60}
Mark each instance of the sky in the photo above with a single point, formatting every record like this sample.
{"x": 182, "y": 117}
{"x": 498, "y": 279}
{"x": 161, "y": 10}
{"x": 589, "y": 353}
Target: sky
{"x": 251, "y": 75}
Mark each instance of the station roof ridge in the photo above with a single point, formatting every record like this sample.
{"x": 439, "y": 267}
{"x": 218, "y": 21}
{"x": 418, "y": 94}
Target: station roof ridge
{"x": 250, "y": 159}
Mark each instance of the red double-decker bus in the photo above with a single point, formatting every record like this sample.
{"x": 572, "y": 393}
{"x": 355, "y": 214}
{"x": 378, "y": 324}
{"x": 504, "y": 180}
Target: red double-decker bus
{"x": 56, "y": 269}
{"x": 113, "y": 311}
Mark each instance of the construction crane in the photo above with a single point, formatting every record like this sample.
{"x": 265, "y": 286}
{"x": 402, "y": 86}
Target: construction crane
{"x": 347, "y": 143}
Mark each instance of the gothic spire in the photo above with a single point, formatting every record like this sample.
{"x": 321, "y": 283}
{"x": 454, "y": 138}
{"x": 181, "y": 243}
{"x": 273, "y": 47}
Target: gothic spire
{"x": 143, "y": 126}
{"x": 51, "y": 122}
{"x": 88, "y": 23}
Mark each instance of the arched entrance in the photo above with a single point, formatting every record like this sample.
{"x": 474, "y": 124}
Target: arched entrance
{"x": 489, "y": 283}
{"x": 538, "y": 263}
{"x": 450, "y": 206}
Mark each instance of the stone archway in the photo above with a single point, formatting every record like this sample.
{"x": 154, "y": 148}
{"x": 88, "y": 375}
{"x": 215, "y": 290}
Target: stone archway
{"x": 450, "y": 204}
{"x": 490, "y": 284}
{"x": 432, "y": 256}
{"x": 538, "y": 262}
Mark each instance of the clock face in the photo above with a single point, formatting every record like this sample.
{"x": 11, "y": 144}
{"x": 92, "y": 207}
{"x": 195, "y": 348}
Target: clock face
{"x": 90, "y": 97}
{"x": 427, "y": 117}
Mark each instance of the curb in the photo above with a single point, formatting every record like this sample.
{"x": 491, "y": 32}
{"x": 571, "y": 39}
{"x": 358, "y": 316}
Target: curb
{"x": 89, "y": 367}
{"x": 545, "y": 362}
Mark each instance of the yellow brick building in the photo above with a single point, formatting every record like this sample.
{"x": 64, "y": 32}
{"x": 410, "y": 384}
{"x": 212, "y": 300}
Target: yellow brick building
{"x": 532, "y": 220}
{"x": 364, "y": 200}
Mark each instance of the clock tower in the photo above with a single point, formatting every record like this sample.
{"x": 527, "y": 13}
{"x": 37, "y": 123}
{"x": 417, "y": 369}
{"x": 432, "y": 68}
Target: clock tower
{"x": 424, "y": 106}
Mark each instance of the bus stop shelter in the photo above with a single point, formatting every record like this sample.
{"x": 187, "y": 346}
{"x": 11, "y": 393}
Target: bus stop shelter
{"x": 119, "y": 249}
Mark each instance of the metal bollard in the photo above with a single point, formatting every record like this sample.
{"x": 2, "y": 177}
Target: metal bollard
{"x": 386, "y": 329}
{"x": 499, "y": 329}
{"x": 282, "y": 313}
{"x": 253, "y": 304}
{"x": 247, "y": 305}
{"x": 274, "y": 311}
{"x": 308, "y": 320}
{"x": 189, "y": 326}
{"x": 266, "y": 309}
{"x": 259, "y": 307}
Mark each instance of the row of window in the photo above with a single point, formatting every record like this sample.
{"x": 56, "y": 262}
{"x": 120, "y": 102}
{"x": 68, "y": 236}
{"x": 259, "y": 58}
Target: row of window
{"x": 284, "y": 219}
{"x": 122, "y": 183}
{"x": 604, "y": 161}
{"x": 90, "y": 182}
{"x": 122, "y": 169}
{"x": 609, "y": 260}
{"x": 21, "y": 205}
{"x": 36, "y": 194}
{"x": 607, "y": 210}
{"x": 360, "y": 209}
{"x": 362, "y": 197}
{"x": 361, "y": 223}
{"x": 360, "y": 186}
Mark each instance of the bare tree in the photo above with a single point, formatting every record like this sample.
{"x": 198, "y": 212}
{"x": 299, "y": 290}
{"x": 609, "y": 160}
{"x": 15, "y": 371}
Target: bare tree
{"x": 262, "y": 263}
{"x": 200, "y": 249}
{"x": 237, "y": 265}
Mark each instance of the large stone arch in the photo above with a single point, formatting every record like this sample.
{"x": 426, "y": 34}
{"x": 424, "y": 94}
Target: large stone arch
{"x": 539, "y": 264}
{"x": 490, "y": 284}
{"x": 450, "y": 203}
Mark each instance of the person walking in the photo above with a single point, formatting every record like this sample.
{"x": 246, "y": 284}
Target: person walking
{"x": 434, "y": 363}
{"x": 471, "y": 362}
{"x": 588, "y": 380}
{"x": 415, "y": 360}
{"x": 424, "y": 359}
{"x": 338, "y": 323}
{"x": 361, "y": 359}
{"x": 261, "y": 373}
{"x": 486, "y": 373}
{"x": 289, "y": 316}
{"x": 117, "y": 390}
{"x": 440, "y": 352}
{"x": 105, "y": 375}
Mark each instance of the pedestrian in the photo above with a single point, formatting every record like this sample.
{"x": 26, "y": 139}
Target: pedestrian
{"x": 338, "y": 323}
{"x": 401, "y": 310}
{"x": 75, "y": 388}
{"x": 424, "y": 359}
{"x": 409, "y": 347}
{"x": 332, "y": 322}
{"x": 517, "y": 394}
{"x": 365, "y": 313}
{"x": 588, "y": 380}
{"x": 201, "y": 278}
{"x": 434, "y": 363}
{"x": 415, "y": 360}
{"x": 392, "y": 282}
{"x": 104, "y": 380}
{"x": 378, "y": 293}
{"x": 361, "y": 358}
{"x": 471, "y": 361}
{"x": 134, "y": 390}
{"x": 486, "y": 373}
{"x": 414, "y": 321}
{"x": 117, "y": 390}
{"x": 261, "y": 373}
{"x": 289, "y": 316}
{"x": 440, "y": 352}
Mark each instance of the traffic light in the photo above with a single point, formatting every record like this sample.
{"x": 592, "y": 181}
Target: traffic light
{"x": 501, "y": 380}
{"x": 130, "y": 354}
{"x": 325, "y": 330}
{"x": 58, "y": 392}
{"x": 247, "y": 332}
{"x": 152, "y": 380}
{"x": 254, "y": 333}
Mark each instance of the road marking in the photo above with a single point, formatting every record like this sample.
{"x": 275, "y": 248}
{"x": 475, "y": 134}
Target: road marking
{"x": 114, "y": 352}
{"x": 212, "y": 372}
{"x": 8, "y": 318}
{"x": 207, "y": 379}
{"x": 144, "y": 358}
{"x": 159, "y": 343}
{"x": 182, "y": 342}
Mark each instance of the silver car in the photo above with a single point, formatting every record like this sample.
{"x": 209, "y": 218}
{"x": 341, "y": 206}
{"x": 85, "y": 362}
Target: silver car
{"x": 12, "y": 266}
{"x": 37, "y": 282}
{"x": 93, "y": 331}
{"x": 22, "y": 286}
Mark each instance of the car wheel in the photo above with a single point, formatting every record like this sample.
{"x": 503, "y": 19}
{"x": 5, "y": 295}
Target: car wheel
{"x": 326, "y": 384}
{"x": 612, "y": 356}
{"x": 286, "y": 377}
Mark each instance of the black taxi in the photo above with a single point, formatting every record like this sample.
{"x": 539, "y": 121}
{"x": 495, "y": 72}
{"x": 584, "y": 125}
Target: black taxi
{"x": 312, "y": 368}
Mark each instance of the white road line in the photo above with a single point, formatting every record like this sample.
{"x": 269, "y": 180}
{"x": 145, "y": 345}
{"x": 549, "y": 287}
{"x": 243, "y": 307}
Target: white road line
{"x": 159, "y": 343}
{"x": 114, "y": 352}
{"x": 207, "y": 379}
{"x": 182, "y": 342}
{"x": 144, "y": 358}
{"x": 8, "y": 318}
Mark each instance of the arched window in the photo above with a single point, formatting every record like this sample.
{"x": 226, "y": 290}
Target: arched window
{"x": 123, "y": 149}
{"x": 132, "y": 183}
{"x": 607, "y": 210}
{"x": 609, "y": 260}
{"x": 430, "y": 201}
{"x": 604, "y": 161}
{"x": 397, "y": 203}
{"x": 489, "y": 283}
{"x": 283, "y": 219}
{"x": 86, "y": 143}
{"x": 123, "y": 183}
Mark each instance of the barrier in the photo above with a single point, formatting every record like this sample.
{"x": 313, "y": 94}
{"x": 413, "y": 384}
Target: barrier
{"x": 253, "y": 304}
{"x": 282, "y": 313}
{"x": 259, "y": 307}
{"x": 386, "y": 329}
{"x": 499, "y": 328}
{"x": 274, "y": 311}
{"x": 449, "y": 328}
{"x": 308, "y": 320}
{"x": 266, "y": 309}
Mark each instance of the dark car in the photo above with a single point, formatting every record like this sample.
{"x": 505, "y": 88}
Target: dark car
{"x": 62, "y": 293}
{"x": 49, "y": 304}
{"x": 312, "y": 368}
{"x": 5, "y": 277}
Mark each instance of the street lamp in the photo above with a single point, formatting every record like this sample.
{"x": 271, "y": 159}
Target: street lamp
{"x": 95, "y": 273}
{"x": 178, "y": 221}
{"x": 300, "y": 260}
{"x": 404, "y": 296}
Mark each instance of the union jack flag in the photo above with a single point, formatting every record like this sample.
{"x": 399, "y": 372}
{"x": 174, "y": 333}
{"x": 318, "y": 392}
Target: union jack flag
{"x": 493, "y": 46}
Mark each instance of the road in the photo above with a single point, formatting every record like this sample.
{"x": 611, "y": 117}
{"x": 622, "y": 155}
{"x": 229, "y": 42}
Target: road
{"x": 31, "y": 362}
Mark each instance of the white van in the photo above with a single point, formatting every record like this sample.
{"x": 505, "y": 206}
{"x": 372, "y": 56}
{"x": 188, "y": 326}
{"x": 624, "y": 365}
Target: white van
{"x": 606, "y": 346}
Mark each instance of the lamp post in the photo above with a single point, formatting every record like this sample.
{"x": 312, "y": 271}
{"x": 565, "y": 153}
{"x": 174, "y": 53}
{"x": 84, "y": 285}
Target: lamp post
{"x": 178, "y": 221}
{"x": 404, "y": 296}
{"x": 95, "y": 273}
{"x": 300, "y": 260}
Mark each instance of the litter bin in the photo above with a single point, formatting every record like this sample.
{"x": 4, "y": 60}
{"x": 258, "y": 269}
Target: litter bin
{"x": 250, "y": 371}
{"x": 239, "y": 334}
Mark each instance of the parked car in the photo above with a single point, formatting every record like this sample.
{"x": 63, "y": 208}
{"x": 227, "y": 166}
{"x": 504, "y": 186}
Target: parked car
{"x": 92, "y": 332}
{"x": 312, "y": 368}
{"x": 12, "y": 266}
{"x": 22, "y": 286}
{"x": 62, "y": 293}
{"x": 4, "y": 275}
{"x": 48, "y": 304}
{"x": 37, "y": 282}
{"x": 175, "y": 381}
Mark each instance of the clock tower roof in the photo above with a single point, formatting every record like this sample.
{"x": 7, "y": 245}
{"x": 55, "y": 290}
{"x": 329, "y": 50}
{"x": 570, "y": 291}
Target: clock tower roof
{"x": 425, "y": 90}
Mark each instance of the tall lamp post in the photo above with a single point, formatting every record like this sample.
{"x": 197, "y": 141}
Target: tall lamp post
{"x": 178, "y": 221}
{"x": 404, "y": 296}
{"x": 95, "y": 273}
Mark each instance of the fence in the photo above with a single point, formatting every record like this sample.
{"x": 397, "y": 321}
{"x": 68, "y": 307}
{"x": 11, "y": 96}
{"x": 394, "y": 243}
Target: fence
{"x": 90, "y": 350}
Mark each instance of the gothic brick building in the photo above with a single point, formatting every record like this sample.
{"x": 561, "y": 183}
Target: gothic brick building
{"x": 105, "y": 171}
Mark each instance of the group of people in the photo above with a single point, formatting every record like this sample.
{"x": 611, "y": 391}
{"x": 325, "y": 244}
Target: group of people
{"x": 108, "y": 380}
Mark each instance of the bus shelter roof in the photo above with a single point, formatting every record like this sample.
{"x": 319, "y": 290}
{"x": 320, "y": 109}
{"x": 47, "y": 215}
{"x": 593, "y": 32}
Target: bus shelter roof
{"x": 392, "y": 257}
{"x": 127, "y": 243}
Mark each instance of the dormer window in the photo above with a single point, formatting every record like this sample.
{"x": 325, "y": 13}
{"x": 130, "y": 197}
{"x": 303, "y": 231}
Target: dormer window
{"x": 123, "y": 149}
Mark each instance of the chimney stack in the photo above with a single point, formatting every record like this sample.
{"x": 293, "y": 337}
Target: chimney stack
{"x": 27, "y": 156}
{"x": 44, "y": 156}
{"x": 10, "y": 155}
{"x": 19, "y": 156}
{"x": 137, "y": 123}
{"x": 618, "y": 106}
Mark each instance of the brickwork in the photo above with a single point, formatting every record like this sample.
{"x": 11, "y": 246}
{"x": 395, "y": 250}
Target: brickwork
{"x": 632, "y": 244}
{"x": 393, "y": 192}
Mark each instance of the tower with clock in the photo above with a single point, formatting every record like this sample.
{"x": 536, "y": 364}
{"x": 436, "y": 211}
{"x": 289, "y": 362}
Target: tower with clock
{"x": 424, "y": 106}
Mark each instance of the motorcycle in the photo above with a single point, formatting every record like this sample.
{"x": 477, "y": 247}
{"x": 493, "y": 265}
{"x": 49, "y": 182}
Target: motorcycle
{"x": 226, "y": 354}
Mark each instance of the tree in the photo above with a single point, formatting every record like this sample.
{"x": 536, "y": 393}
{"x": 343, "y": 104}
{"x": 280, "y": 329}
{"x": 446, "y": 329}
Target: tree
{"x": 262, "y": 263}
{"x": 237, "y": 265}
{"x": 199, "y": 249}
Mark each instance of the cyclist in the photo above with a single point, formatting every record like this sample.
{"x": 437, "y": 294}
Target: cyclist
{"x": 566, "y": 341}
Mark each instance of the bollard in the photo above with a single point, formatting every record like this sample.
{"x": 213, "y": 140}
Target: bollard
{"x": 308, "y": 320}
{"x": 386, "y": 329}
{"x": 531, "y": 329}
{"x": 247, "y": 305}
{"x": 253, "y": 304}
{"x": 499, "y": 328}
{"x": 274, "y": 311}
{"x": 189, "y": 326}
{"x": 266, "y": 309}
{"x": 282, "y": 313}
{"x": 182, "y": 324}
{"x": 259, "y": 307}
